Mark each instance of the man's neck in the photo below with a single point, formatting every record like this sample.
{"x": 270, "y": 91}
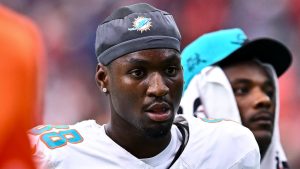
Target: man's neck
{"x": 136, "y": 142}
{"x": 263, "y": 147}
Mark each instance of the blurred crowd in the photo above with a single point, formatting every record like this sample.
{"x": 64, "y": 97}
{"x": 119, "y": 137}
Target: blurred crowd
{"x": 69, "y": 29}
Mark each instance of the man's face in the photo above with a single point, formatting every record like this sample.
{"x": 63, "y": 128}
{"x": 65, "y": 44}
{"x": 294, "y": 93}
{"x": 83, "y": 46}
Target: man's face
{"x": 255, "y": 95}
{"x": 145, "y": 88}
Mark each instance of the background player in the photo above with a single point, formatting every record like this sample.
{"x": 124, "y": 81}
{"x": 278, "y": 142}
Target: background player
{"x": 228, "y": 76}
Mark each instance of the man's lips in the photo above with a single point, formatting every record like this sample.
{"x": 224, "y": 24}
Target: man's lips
{"x": 263, "y": 120}
{"x": 159, "y": 111}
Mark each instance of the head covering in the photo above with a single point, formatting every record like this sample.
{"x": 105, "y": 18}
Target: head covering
{"x": 231, "y": 44}
{"x": 209, "y": 93}
{"x": 133, "y": 28}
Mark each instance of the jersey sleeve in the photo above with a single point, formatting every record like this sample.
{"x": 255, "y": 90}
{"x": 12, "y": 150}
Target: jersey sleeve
{"x": 52, "y": 143}
{"x": 245, "y": 147}
{"x": 221, "y": 144}
{"x": 249, "y": 161}
{"x": 40, "y": 152}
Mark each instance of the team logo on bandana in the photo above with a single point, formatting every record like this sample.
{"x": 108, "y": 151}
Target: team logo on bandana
{"x": 141, "y": 24}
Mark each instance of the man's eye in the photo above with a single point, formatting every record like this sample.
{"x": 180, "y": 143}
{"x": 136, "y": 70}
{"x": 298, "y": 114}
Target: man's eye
{"x": 240, "y": 90}
{"x": 270, "y": 93}
{"x": 269, "y": 90}
{"x": 171, "y": 71}
{"x": 137, "y": 73}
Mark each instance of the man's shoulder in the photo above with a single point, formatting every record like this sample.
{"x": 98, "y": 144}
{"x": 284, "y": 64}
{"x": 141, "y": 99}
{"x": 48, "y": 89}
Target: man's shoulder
{"x": 51, "y": 137}
{"x": 220, "y": 131}
{"x": 217, "y": 125}
{"x": 53, "y": 144}
{"x": 225, "y": 141}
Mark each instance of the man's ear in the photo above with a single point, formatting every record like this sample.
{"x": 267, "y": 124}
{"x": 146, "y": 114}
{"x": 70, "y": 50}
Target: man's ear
{"x": 102, "y": 77}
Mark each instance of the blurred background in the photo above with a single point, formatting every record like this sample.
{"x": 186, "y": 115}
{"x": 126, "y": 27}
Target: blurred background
{"x": 69, "y": 26}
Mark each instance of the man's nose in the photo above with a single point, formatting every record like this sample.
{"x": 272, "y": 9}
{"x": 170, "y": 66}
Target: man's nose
{"x": 157, "y": 86}
{"x": 262, "y": 99}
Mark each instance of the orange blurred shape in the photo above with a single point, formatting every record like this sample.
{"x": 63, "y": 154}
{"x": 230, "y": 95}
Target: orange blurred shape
{"x": 21, "y": 81}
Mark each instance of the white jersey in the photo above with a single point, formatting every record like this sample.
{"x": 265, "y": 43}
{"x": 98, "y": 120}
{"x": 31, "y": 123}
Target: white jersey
{"x": 211, "y": 144}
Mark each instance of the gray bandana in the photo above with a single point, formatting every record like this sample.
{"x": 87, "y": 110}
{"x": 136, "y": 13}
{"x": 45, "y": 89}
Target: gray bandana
{"x": 133, "y": 28}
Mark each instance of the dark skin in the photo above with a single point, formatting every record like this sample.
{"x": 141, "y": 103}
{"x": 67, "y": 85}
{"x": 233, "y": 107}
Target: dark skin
{"x": 144, "y": 90}
{"x": 255, "y": 95}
